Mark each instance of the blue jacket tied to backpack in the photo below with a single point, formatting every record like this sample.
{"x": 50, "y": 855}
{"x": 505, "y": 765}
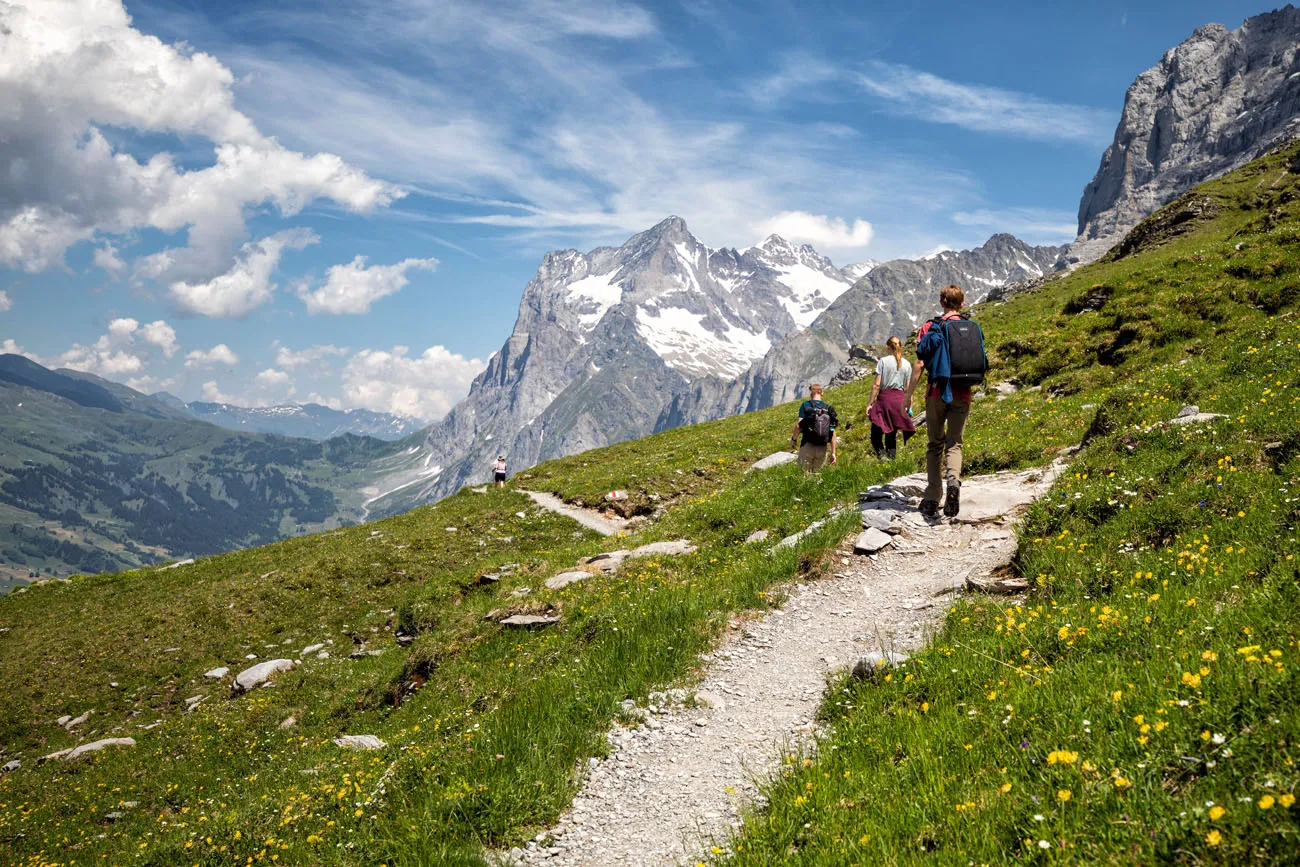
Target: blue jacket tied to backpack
{"x": 932, "y": 350}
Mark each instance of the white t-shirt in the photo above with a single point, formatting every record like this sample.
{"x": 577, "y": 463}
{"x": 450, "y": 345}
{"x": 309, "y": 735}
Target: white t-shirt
{"x": 892, "y": 373}
{"x": 499, "y": 467}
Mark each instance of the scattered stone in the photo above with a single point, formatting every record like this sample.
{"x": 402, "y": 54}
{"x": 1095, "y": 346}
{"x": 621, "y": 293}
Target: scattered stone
{"x": 664, "y": 549}
{"x": 521, "y": 592}
{"x": 1006, "y": 388}
{"x": 311, "y": 648}
{"x": 487, "y": 579}
{"x": 608, "y": 562}
{"x": 405, "y": 640}
{"x": 757, "y": 536}
{"x": 876, "y": 661}
{"x": 193, "y": 702}
{"x": 10, "y": 767}
{"x": 73, "y": 723}
{"x": 997, "y": 584}
{"x": 93, "y": 747}
{"x": 564, "y": 579}
{"x": 1189, "y": 410}
{"x": 253, "y": 677}
{"x": 616, "y": 496}
{"x": 530, "y": 621}
{"x": 63, "y": 720}
{"x": 289, "y": 722}
{"x": 251, "y": 656}
{"x": 1193, "y": 415}
{"x": 775, "y": 459}
{"x": 878, "y": 519}
{"x": 359, "y": 742}
{"x": 792, "y": 540}
{"x": 177, "y": 564}
{"x": 870, "y": 541}
{"x": 364, "y": 654}
{"x": 113, "y": 817}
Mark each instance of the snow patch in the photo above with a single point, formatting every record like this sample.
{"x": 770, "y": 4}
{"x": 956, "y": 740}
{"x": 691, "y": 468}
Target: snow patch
{"x": 812, "y": 291}
{"x": 595, "y": 295}
{"x": 679, "y": 337}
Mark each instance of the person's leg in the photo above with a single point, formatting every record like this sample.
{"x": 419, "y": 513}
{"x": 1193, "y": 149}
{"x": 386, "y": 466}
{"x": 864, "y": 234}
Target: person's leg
{"x": 811, "y": 457}
{"x": 934, "y": 416}
{"x": 877, "y": 439}
{"x": 958, "y": 412}
{"x": 891, "y": 441}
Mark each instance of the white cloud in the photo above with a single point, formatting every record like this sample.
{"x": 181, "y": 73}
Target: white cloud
{"x": 107, "y": 259}
{"x": 213, "y": 394}
{"x": 219, "y": 354}
{"x": 1036, "y": 225}
{"x": 5, "y": 302}
{"x": 162, "y": 335}
{"x": 288, "y": 358}
{"x": 426, "y": 386}
{"x": 824, "y": 233}
{"x": 9, "y": 347}
{"x": 247, "y": 285}
{"x": 272, "y": 378}
{"x": 353, "y": 287}
{"x": 983, "y": 108}
{"x": 71, "y": 68}
{"x": 111, "y": 355}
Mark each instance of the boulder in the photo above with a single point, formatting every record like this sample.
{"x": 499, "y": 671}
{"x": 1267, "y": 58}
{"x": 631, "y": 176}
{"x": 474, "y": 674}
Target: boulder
{"x": 757, "y": 536}
{"x": 564, "y": 579}
{"x": 251, "y": 678}
{"x": 10, "y": 767}
{"x": 775, "y": 459}
{"x": 877, "y": 661}
{"x": 870, "y": 541}
{"x": 93, "y": 747}
{"x": 530, "y": 621}
{"x": 359, "y": 742}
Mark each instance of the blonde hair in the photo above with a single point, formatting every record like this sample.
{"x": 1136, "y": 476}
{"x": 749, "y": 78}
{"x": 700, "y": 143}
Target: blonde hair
{"x": 894, "y": 345}
{"x": 952, "y": 297}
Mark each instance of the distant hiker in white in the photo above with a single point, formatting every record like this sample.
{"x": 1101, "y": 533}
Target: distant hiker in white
{"x": 815, "y": 431}
{"x": 499, "y": 471}
{"x": 887, "y": 409}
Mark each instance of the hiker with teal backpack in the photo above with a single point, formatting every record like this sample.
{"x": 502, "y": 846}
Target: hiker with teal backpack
{"x": 951, "y": 350}
{"x": 815, "y": 431}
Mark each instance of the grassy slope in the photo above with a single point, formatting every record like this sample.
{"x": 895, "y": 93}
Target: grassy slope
{"x": 1140, "y": 706}
{"x": 485, "y": 727}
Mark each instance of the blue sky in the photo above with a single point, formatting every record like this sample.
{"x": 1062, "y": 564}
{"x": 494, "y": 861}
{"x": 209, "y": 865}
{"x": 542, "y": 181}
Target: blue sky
{"x": 190, "y": 184}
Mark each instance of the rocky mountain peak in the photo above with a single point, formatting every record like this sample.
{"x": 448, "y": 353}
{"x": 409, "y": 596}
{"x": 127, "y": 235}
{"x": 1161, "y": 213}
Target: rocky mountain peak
{"x": 1216, "y": 101}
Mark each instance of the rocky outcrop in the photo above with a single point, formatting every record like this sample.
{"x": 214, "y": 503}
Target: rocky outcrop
{"x": 1215, "y": 102}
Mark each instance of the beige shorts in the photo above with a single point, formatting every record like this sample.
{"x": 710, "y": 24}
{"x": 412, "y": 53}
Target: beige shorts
{"x": 812, "y": 458}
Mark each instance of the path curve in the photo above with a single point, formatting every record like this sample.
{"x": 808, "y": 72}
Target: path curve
{"x": 675, "y": 786}
{"x": 588, "y": 518}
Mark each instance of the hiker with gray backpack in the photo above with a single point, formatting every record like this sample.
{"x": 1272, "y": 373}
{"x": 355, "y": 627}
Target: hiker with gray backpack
{"x": 950, "y": 348}
{"x": 815, "y": 431}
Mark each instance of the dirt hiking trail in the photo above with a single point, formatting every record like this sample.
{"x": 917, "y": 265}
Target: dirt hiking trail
{"x": 674, "y": 786}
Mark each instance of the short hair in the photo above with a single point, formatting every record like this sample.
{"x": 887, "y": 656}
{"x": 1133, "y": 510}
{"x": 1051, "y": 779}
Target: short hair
{"x": 952, "y": 297}
{"x": 815, "y": 388}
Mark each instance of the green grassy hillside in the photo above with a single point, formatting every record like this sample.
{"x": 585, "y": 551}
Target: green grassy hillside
{"x": 96, "y": 477}
{"x": 485, "y": 727}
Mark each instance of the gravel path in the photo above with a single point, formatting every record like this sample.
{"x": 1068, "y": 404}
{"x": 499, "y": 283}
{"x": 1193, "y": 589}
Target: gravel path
{"x": 674, "y": 786}
{"x": 588, "y": 518}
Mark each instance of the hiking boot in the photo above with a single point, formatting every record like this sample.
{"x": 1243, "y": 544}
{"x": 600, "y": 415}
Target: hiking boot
{"x": 890, "y": 454}
{"x": 952, "y": 503}
{"x": 929, "y": 508}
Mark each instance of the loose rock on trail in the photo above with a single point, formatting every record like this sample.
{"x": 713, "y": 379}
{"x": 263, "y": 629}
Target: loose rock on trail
{"x": 675, "y": 786}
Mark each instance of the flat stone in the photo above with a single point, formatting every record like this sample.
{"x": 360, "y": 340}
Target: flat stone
{"x": 257, "y": 675}
{"x": 877, "y": 519}
{"x": 608, "y": 562}
{"x": 564, "y": 579}
{"x": 364, "y": 654}
{"x": 530, "y": 621}
{"x": 311, "y": 648}
{"x": 870, "y": 541}
{"x": 177, "y": 564}
{"x": 113, "y": 816}
{"x": 73, "y": 723}
{"x": 996, "y": 584}
{"x": 757, "y": 536}
{"x": 1196, "y": 418}
{"x": 793, "y": 539}
{"x": 93, "y": 747}
{"x": 876, "y": 661}
{"x": 10, "y": 767}
{"x": 359, "y": 742}
{"x": 289, "y": 722}
{"x": 672, "y": 548}
{"x": 1189, "y": 410}
{"x": 775, "y": 459}
{"x": 63, "y": 720}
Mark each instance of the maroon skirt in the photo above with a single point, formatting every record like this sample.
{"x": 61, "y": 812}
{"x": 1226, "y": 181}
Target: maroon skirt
{"x": 889, "y": 412}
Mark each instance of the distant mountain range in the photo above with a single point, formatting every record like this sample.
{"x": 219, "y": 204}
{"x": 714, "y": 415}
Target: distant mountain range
{"x": 97, "y": 477}
{"x": 310, "y": 420}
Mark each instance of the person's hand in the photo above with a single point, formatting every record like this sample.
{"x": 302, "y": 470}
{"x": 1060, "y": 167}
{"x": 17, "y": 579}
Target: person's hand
{"x": 833, "y": 458}
{"x": 909, "y": 412}
{"x": 794, "y": 442}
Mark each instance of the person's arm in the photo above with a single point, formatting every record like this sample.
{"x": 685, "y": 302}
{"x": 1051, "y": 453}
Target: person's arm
{"x": 794, "y": 434}
{"x": 875, "y": 392}
{"x": 835, "y": 439}
{"x": 917, "y": 367}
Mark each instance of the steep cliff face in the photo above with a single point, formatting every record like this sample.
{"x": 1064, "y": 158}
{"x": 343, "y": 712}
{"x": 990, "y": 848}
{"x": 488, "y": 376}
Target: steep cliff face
{"x": 1216, "y": 101}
